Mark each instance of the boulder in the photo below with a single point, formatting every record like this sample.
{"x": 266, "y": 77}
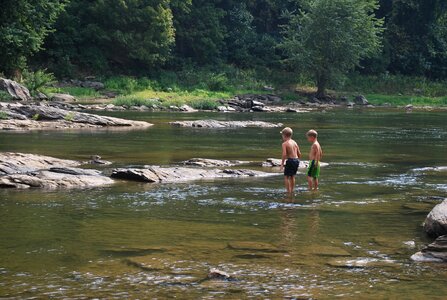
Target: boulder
{"x": 436, "y": 222}
{"x": 63, "y": 98}
{"x": 92, "y": 84}
{"x": 361, "y": 100}
{"x": 218, "y": 274}
{"x": 97, "y": 160}
{"x": 260, "y": 109}
{"x": 187, "y": 108}
{"x": 434, "y": 252}
{"x": 224, "y": 124}
{"x": 153, "y": 174}
{"x": 14, "y": 89}
{"x": 209, "y": 163}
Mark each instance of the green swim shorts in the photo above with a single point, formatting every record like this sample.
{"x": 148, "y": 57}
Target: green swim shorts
{"x": 313, "y": 170}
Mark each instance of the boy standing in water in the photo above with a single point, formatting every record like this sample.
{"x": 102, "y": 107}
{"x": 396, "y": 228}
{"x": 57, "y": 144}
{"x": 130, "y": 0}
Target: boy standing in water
{"x": 290, "y": 156}
{"x": 315, "y": 156}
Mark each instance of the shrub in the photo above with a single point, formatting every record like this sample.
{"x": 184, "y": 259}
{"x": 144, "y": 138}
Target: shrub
{"x": 4, "y": 96}
{"x": 206, "y": 104}
{"x": 121, "y": 84}
{"x": 37, "y": 80}
{"x": 69, "y": 117}
{"x": 218, "y": 82}
{"x": 36, "y": 117}
{"x": 133, "y": 100}
{"x": 3, "y": 115}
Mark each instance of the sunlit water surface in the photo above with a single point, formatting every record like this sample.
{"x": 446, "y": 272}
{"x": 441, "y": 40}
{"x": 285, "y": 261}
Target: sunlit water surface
{"x": 352, "y": 239}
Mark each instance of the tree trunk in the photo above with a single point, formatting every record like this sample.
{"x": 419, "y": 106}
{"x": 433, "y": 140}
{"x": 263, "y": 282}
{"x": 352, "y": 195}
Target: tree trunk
{"x": 321, "y": 87}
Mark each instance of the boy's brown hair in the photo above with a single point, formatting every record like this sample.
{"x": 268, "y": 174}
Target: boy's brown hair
{"x": 312, "y": 133}
{"x": 287, "y": 132}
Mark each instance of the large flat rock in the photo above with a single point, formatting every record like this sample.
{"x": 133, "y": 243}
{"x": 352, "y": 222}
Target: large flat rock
{"x": 21, "y": 170}
{"x": 14, "y": 163}
{"x": 180, "y": 174}
{"x": 31, "y": 116}
{"x": 209, "y": 163}
{"x": 55, "y": 178}
{"x": 224, "y": 124}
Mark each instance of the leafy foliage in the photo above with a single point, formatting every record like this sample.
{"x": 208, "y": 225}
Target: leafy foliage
{"x": 23, "y": 26}
{"x": 35, "y": 81}
{"x": 331, "y": 37}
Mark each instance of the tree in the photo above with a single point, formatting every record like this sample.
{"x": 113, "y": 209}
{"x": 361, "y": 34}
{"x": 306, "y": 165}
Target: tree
{"x": 23, "y": 26}
{"x": 114, "y": 34}
{"x": 330, "y": 37}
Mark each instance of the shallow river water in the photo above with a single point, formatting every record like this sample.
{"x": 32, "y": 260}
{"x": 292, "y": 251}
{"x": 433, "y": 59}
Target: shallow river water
{"x": 352, "y": 239}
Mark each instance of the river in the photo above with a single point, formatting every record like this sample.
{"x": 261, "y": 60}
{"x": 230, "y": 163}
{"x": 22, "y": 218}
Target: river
{"x": 352, "y": 239}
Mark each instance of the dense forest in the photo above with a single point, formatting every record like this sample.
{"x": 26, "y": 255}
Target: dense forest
{"x": 141, "y": 37}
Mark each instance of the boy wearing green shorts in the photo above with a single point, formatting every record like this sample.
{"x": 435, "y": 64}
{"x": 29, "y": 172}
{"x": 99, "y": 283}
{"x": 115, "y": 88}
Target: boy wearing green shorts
{"x": 315, "y": 156}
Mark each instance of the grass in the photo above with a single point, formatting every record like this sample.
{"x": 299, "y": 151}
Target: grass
{"x": 198, "y": 99}
{"x": 80, "y": 93}
{"x": 401, "y": 100}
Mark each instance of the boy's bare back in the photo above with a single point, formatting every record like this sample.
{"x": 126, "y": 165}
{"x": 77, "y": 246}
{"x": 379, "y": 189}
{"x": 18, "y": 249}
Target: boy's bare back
{"x": 291, "y": 149}
{"x": 316, "y": 153}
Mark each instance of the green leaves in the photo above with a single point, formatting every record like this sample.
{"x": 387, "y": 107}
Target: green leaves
{"x": 331, "y": 37}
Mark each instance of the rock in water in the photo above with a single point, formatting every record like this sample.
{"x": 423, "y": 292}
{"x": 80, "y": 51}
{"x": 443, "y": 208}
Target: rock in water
{"x": 14, "y": 89}
{"x": 218, "y": 274}
{"x": 436, "y": 222}
{"x": 435, "y": 252}
{"x": 205, "y": 162}
{"x": 180, "y": 174}
{"x": 224, "y": 124}
{"x": 19, "y": 170}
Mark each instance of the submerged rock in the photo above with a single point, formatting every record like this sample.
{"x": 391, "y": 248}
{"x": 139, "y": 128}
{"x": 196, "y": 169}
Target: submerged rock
{"x": 14, "y": 89}
{"x": 434, "y": 252}
{"x": 224, "y": 124}
{"x": 205, "y": 162}
{"x": 97, "y": 160}
{"x": 275, "y": 162}
{"x": 176, "y": 174}
{"x": 361, "y": 262}
{"x": 218, "y": 274}
{"x": 361, "y": 100}
{"x": 63, "y": 98}
{"x": 436, "y": 222}
{"x": 255, "y": 247}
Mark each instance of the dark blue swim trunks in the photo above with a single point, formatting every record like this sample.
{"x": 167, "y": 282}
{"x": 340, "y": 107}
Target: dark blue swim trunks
{"x": 291, "y": 167}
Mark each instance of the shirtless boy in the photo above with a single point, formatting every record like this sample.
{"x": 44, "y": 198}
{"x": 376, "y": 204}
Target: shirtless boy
{"x": 290, "y": 159}
{"x": 315, "y": 156}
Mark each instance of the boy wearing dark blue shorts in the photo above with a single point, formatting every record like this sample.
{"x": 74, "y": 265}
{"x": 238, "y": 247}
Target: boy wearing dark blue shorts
{"x": 290, "y": 159}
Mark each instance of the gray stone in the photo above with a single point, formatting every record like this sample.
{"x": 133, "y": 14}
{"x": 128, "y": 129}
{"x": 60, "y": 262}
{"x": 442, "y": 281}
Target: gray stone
{"x": 434, "y": 252}
{"x": 14, "y": 89}
{"x": 275, "y": 162}
{"x": 224, "y": 124}
{"x": 14, "y": 163}
{"x": 361, "y": 100}
{"x": 436, "y": 222}
{"x": 187, "y": 108}
{"x": 92, "y": 84}
{"x": 208, "y": 163}
{"x": 260, "y": 109}
{"x": 63, "y": 98}
{"x": 180, "y": 174}
{"x": 218, "y": 274}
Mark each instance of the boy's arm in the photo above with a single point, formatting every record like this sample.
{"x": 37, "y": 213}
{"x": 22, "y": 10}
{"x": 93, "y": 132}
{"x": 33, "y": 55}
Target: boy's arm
{"x": 298, "y": 152}
{"x": 284, "y": 155}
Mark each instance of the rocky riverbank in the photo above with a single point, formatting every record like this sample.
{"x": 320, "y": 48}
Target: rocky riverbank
{"x": 20, "y": 170}
{"x": 17, "y": 116}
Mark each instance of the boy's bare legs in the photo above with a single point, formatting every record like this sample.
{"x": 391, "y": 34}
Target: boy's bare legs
{"x": 309, "y": 182}
{"x": 316, "y": 184}
{"x": 287, "y": 184}
{"x": 292, "y": 184}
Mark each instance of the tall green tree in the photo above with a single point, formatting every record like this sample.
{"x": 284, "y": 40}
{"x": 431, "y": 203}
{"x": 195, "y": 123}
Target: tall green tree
{"x": 23, "y": 26}
{"x": 330, "y": 37}
{"x": 118, "y": 35}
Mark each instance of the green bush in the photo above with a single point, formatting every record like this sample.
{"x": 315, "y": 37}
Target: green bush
{"x": 133, "y": 100}
{"x": 69, "y": 117}
{"x": 35, "y": 81}
{"x": 4, "y": 96}
{"x": 122, "y": 84}
{"x": 218, "y": 82}
{"x": 3, "y": 115}
{"x": 205, "y": 104}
